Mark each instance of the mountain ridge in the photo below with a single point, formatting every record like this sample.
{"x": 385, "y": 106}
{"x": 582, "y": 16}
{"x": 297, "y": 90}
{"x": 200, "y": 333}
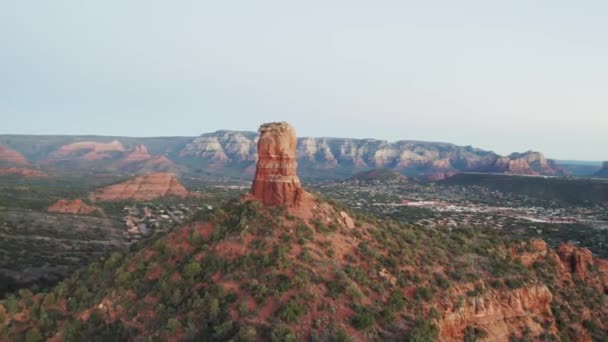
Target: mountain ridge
{"x": 233, "y": 153}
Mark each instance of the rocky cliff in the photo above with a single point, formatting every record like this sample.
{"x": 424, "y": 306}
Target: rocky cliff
{"x": 142, "y": 188}
{"x": 276, "y": 182}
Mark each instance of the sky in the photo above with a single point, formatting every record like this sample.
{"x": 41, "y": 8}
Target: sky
{"x": 506, "y": 76}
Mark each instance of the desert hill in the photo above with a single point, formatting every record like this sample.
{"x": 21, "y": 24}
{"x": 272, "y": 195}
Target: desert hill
{"x": 144, "y": 187}
{"x": 282, "y": 265}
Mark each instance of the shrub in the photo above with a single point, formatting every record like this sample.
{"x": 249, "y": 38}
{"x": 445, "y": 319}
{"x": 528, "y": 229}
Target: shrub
{"x": 173, "y": 325}
{"x": 290, "y": 311}
{"x": 363, "y": 320}
{"x": 282, "y": 333}
{"x": 247, "y": 334}
{"x": 423, "y": 293}
{"x": 423, "y": 331}
{"x": 192, "y": 269}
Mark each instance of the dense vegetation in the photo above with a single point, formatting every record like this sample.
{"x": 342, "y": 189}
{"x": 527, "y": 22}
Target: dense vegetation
{"x": 255, "y": 273}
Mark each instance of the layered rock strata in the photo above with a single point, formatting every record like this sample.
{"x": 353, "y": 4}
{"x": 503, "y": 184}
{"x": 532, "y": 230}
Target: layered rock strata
{"x": 276, "y": 182}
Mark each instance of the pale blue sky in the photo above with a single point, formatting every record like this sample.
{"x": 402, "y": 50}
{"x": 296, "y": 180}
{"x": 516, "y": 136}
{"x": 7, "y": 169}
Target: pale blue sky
{"x": 501, "y": 75}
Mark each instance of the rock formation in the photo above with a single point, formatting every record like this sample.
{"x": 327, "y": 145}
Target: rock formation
{"x": 76, "y": 206}
{"x": 22, "y": 172}
{"x": 276, "y": 182}
{"x": 575, "y": 260}
{"x": 501, "y": 314}
{"x": 10, "y": 156}
{"x": 528, "y": 163}
{"x": 142, "y": 188}
{"x": 88, "y": 151}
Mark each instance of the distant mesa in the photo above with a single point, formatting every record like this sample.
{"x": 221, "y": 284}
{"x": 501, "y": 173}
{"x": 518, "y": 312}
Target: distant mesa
{"x": 22, "y": 172}
{"x": 142, "y": 188}
{"x": 603, "y": 172}
{"x": 88, "y": 151}
{"x": 10, "y": 156}
{"x": 76, "y": 206}
{"x": 378, "y": 176}
{"x": 276, "y": 182}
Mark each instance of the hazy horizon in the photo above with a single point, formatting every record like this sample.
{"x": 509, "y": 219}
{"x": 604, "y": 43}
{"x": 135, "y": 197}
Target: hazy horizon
{"x": 507, "y": 77}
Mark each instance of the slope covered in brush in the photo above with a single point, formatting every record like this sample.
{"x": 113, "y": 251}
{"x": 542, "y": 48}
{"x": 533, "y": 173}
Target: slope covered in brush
{"x": 254, "y": 273}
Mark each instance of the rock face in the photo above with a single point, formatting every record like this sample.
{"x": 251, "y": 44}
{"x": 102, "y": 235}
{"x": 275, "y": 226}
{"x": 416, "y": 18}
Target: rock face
{"x": 76, "y": 206}
{"x": 22, "y": 172}
{"x": 276, "y": 182}
{"x": 10, "y": 156}
{"x": 603, "y": 172}
{"x": 142, "y": 188}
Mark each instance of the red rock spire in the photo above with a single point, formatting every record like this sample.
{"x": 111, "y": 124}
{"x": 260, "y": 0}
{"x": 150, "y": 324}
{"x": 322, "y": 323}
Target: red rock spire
{"x": 276, "y": 181}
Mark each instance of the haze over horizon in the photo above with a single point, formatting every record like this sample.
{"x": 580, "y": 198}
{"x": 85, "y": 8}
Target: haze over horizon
{"x": 508, "y": 77}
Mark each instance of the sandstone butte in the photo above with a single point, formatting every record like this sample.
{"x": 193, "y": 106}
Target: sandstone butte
{"x": 76, "y": 206}
{"x": 11, "y": 156}
{"x": 276, "y": 182}
{"x": 142, "y": 188}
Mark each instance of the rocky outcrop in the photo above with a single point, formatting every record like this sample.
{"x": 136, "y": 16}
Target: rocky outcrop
{"x": 500, "y": 314}
{"x": 87, "y": 151}
{"x": 22, "y": 172}
{"x": 276, "y": 182}
{"x": 76, "y": 206}
{"x": 10, "y": 156}
{"x": 603, "y": 172}
{"x": 575, "y": 260}
{"x": 142, "y": 188}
